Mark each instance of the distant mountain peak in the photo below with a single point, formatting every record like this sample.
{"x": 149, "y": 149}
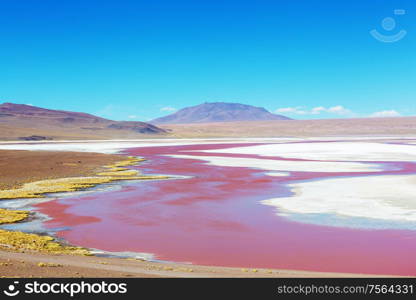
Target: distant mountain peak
{"x": 210, "y": 112}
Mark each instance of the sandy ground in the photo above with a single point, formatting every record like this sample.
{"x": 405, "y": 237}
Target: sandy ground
{"x": 18, "y": 167}
{"x": 401, "y": 126}
{"x": 41, "y": 265}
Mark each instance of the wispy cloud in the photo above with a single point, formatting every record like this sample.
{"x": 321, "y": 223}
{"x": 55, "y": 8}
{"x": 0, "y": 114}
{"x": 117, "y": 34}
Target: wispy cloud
{"x": 132, "y": 117}
{"x": 385, "y": 114}
{"x": 300, "y": 110}
{"x": 168, "y": 109}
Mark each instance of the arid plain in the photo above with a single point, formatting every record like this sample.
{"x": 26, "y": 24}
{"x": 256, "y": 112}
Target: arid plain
{"x": 87, "y": 196}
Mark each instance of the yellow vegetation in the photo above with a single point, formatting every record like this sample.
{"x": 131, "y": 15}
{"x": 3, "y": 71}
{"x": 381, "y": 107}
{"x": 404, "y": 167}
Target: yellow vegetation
{"x": 131, "y": 160}
{"x": 12, "y": 216}
{"x": 115, "y": 172}
{"x": 26, "y": 241}
{"x": 17, "y": 240}
{"x": 119, "y": 173}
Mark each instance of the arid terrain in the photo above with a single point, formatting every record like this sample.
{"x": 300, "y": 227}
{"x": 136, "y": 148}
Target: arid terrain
{"x": 37, "y": 127}
{"x": 40, "y": 265}
{"x": 23, "y": 122}
{"x": 401, "y": 126}
{"x": 19, "y": 167}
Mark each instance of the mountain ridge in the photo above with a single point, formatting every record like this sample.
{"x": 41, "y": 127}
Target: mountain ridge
{"x": 32, "y": 122}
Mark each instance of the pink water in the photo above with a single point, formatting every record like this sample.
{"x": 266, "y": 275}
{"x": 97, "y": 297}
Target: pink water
{"x": 215, "y": 218}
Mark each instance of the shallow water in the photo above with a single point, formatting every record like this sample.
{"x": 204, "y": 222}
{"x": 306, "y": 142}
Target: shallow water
{"x": 215, "y": 217}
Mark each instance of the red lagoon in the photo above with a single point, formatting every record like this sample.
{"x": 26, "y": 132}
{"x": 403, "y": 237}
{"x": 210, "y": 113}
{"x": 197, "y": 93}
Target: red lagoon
{"x": 214, "y": 217}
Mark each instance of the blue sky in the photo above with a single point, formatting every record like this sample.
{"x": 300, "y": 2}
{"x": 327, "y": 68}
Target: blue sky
{"x": 143, "y": 59}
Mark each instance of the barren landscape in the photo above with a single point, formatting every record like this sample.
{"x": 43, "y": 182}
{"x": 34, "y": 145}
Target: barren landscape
{"x": 186, "y": 139}
{"x": 290, "y": 183}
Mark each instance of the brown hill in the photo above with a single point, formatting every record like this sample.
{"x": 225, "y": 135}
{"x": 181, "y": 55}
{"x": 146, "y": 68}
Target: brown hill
{"x": 26, "y": 122}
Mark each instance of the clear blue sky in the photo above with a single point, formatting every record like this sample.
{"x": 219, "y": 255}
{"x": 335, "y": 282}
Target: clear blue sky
{"x": 141, "y": 59}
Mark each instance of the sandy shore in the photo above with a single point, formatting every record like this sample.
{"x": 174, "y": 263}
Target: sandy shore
{"x": 43, "y": 265}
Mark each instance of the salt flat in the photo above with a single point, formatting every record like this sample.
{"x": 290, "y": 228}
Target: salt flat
{"x": 286, "y": 165}
{"x": 313, "y": 149}
{"x": 390, "y": 198}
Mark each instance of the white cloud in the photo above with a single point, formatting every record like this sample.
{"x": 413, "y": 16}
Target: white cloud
{"x": 168, "y": 108}
{"x": 292, "y": 110}
{"x": 386, "y": 114}
{"x": 318, "y": 110}
{"x": 299, "y": 110}
{"x": 132, "y": 117}
{"x": 339, "y": 110}
{"x": 286, "y": 110}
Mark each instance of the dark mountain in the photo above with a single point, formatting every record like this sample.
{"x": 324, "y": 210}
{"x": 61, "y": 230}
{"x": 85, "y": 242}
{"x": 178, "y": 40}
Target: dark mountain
{"x": 218, "y": 112}
{"x": 21, "y": 121}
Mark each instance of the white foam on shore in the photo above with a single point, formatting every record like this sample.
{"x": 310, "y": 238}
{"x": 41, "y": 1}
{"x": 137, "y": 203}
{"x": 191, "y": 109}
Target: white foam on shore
{"x": 286, "y": 165}
{"x": 386, "y": 197}
{"x": 98, "y": 147}
{"x": 340, "y": 151}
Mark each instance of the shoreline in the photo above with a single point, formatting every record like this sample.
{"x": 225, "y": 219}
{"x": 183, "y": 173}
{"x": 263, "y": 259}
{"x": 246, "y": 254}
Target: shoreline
{"x": 14, "y": 264}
